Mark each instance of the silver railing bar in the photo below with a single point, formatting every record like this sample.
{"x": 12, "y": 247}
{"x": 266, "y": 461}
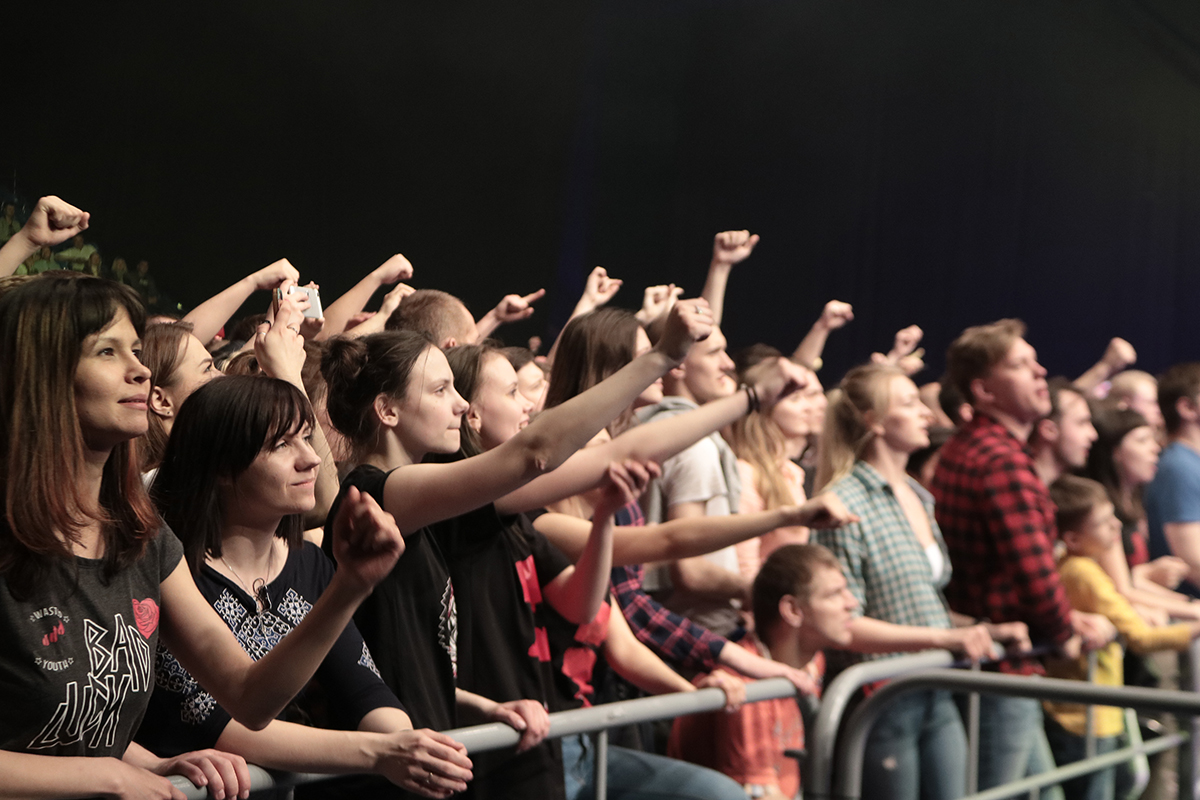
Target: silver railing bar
{"x": 495, "y": 735}
{"x": 848, "y": 784}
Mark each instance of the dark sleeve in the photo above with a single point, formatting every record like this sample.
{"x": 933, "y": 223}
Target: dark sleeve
{"x": 674, "y": 639}
{"x": 365, "y": 478}
{"x": 348, "y": 674}
{"x": 181, "y": 716}
{"x": 170, "y": 551}
{"x": 548, "y": 560}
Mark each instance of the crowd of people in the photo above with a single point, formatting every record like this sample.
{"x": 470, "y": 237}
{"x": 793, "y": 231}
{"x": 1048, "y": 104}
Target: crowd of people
{"x": 375, "y": 527}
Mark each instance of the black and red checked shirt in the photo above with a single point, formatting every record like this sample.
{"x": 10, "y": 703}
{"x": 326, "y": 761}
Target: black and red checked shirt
{"x": 997, "y": 518}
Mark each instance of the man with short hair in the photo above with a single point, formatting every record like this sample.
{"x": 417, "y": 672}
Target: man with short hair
{"x": 998, "y": 522}
{"x": 439, "y": 314}
{"x": 1172, "y": 499}
{"x": 700, "y": 481}
{"x": 802, "y": 605}
{"x": 1060, "y": 441}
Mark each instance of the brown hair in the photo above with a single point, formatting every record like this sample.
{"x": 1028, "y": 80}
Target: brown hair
{"x": 359, "y": 370}
{"x": 973, "y": 354}
{"x": 162, "y": 352}
{"x": 1075, "y": 498}
{"x": 788, "y": 570}
{"x": 43, "y": 325}
{"x": 592, "y": 347}
{"x": 757, "y": 439}
{"x": 1180, "y": 381}
{"x": 466, "y": 362}
{"x": 865, "y": 389}
{"x": 437, "y": 314}
{"x": 1112, "y": 426}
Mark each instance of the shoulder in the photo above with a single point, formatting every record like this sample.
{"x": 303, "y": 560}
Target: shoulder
{"x": 163, "y": 552}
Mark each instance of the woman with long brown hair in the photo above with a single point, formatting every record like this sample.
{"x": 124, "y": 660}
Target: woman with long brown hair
{"x": 88, "y": 575}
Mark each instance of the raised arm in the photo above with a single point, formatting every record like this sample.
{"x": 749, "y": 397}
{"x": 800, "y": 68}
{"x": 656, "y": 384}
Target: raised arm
{"x": 1117, "y": 356}
{"x": 835, "y": 315}
{"x": 366, "y": 545}
{"x": 511, "y": 308}
{"x": 52, "y": 222}
{"x": 729, "y": 248}
{"x": 579, "y": 590}
{"x": 597, "y": 291}
{"x": 656, "y": 301}
{"x": 684, "y": 538}
{"x": 421, "y": 494}
{"x": 210, "y": 316}
{"x": 339, "y": 312}
{"x": 376, "y": 322}
{"x": 658, "y": 440}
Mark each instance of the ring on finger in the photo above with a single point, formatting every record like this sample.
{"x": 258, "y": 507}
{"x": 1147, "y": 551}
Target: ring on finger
{"x": 293, "y": 328}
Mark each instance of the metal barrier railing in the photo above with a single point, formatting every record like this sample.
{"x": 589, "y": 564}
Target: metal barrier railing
{"x": 493, "y": 736}
{"x": 847, "y": 783}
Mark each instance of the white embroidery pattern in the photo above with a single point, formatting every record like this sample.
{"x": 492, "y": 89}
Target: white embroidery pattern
{"x": 368, "y": 661}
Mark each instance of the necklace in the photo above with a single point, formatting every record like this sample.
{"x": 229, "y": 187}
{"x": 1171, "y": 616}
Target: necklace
{"x": 257, "y": 589}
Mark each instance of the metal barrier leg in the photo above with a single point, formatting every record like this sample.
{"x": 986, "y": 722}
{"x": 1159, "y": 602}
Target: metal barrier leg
{"x": 602, "y": 765}
{"x": 1089, "y": 743}
{"x": 973, "y": 738}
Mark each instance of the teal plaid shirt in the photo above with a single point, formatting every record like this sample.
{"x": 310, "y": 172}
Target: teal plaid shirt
{"x": 885, "y": 566}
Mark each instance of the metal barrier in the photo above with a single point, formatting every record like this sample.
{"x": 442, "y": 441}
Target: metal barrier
{"x": 847, "y": 783}
{"x": 495, "y": 735}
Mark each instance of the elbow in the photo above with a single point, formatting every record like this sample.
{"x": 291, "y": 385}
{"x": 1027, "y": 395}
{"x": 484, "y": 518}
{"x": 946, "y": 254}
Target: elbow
{"x": 540, "y": 455}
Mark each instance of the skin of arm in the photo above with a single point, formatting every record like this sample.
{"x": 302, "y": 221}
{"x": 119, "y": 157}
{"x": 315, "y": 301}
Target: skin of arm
{"x": 697, "y": 575}
{"x": 1117, "y": 568}
{"x": 224, "y": 773}
{"x": 377, "y": 321}
{"x": 339, "y": 312}
{"x": 835, "y": 315}
{"x": 210, "y": 316}
{"x": 30, "y": 777}
{"x": 636, "y": 663}
{"x": 367, "y": 545}
{"x": 876, "y": 636}
{"x": 52, "y": 222}
{"x": 597, "y": 291}
{"x": 1117, "y": 356}
{"x": 528, "y": 716}
{"x": 510, "y": 309}
{"x": 729, "y": 248}
{"x": 420, "y": 494}
{"x": 655, "y": 441}
{"x": 1184, "y": 540}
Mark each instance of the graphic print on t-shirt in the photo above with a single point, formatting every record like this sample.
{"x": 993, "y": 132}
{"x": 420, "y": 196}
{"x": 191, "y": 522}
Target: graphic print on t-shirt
{"x": 118, "y": 665}
{"x": 448, "y": 627}
{"x": 527, "y": 571}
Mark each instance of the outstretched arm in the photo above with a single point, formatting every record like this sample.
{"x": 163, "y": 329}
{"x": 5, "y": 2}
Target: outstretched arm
{"x": 656, "y": 441}
{"x": 835, "y": 315}
{"x": 510, "y": 309}
{"x": 339, "y": 312}
{"x": 695, "y": 536}
{"x": 597, "y": 291}
{"x": 210, "y": 316}
{"x": 52, "y": 222}
{"x": 729, "y": 248}
{"x": 420, "y": 494}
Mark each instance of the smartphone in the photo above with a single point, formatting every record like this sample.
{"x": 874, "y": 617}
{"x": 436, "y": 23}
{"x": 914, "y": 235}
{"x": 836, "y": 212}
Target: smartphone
{"x": 314, "y": 300}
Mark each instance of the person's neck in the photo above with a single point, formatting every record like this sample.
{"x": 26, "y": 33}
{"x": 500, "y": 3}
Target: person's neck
{"x": 679, "y": 389}
{"x": 248, "y": 549}
{"x": 391, "y": 454}
{"x": 1188, "y": 434}
{"x": 889, "y": 462}
{"x": 793, "y": 446}
{"x": 1014, "y": 425}
{"x": 787, "y": 648}
{"x": 1047, "y": 465}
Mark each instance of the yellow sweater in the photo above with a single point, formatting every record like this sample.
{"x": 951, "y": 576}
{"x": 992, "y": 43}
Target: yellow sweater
{"x": 1089, "y": 588}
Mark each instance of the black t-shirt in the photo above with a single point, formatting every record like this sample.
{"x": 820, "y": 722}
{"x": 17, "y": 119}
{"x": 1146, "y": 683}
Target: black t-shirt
{"x": 499, "y": 565}
{"x": 77, "y": 657}
{"x": 183, "y": 717}
{"x": 409, "y": 622}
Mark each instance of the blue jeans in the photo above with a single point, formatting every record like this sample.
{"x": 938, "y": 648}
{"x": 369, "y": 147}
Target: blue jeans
{"x": 917, "y": 750}
{"x": 1012, "y": 742}
{"x": 634, "y": 775}
{"x": 1069, "y": 748}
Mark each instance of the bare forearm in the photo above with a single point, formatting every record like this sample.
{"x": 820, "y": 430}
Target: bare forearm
{"x": 210, "y": 316}
{"x": 339, "y": 312}
{"x": 587, "y": 585}
{"x": 808, "y": 352}
{"x": 691, "y": 536}
{"x": 875, "y": 636}
{"x": 14, "y": 252}
{"x": 299, "y": 748}
{"x": 486, "y": 324}
{"x": 1097, "y": 374}
{"x": 699, "y": 577}
{"x": 31, "y": 777}
{"x": 714, "y": 288}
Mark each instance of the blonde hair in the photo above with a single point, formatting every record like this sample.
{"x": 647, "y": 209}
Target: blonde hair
{"x": 758, "y": 440}
{"x": 847, "y": 433}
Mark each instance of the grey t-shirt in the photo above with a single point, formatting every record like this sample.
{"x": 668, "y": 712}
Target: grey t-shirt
{"x": 77, "y": 661}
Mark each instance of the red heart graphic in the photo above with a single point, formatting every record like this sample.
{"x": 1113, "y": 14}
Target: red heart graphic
{"x": 145, "y": 614}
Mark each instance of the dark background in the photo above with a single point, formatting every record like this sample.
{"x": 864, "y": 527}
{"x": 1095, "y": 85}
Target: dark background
{"x": 942, "y": 163}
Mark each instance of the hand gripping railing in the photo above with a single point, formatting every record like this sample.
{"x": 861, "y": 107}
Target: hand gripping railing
{"x": 848, "y": 774}
{"x": 494, "y": 736}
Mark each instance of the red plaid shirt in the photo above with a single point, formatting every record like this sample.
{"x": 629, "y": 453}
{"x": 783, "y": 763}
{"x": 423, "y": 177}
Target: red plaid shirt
{"x": 998, "y": 522}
